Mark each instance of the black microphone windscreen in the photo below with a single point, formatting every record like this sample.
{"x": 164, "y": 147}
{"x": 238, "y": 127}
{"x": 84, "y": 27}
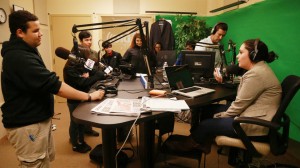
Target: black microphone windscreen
{"x": 233, "y": 69}
{"x": 62, "y": 53}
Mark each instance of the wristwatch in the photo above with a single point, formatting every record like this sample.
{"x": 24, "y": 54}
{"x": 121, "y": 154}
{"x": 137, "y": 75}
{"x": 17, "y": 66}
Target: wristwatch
{"x": 3, "y": 16}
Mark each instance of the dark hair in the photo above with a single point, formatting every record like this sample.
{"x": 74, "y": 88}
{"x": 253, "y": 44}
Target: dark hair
{"x": 191, "y": 43}
{"x": 263, "y": 53}
{"x": 158, "y": 42}
{"x": 106, "y": 44}
{"x": 19, "y": 20}
{"x": 84, "y": 34}
{"x": 133, "y": 44}
{"x": 219, "y": 25}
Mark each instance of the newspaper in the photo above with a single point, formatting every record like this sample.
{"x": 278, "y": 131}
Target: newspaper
{"x": 164, "y": 104}
{"x": 111, "y": 106}
{"x": 133, "y": 107}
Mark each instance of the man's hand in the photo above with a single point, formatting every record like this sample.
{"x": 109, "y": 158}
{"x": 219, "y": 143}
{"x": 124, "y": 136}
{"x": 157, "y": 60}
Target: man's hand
{"x": 217, "y": 75}
{"x": 85, "y": 75}
{"x": 97, "y": 95}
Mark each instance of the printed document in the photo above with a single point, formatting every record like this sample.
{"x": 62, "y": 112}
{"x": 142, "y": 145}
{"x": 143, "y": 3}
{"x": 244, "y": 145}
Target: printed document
{"x": 110, "y": 106}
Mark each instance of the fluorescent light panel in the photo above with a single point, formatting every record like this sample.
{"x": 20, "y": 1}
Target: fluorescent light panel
{"x": 228, "y": 6}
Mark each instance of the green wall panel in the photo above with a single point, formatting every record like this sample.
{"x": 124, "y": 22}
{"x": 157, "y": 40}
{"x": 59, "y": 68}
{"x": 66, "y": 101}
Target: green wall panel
{"x": 276, "y": 22}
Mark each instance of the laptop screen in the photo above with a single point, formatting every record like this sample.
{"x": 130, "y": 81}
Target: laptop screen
{"x": 179, "y": 77}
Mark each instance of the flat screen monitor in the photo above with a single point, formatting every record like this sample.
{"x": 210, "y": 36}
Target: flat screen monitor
{"x": 200, "y": 63}
{"x": 168, "y": 56}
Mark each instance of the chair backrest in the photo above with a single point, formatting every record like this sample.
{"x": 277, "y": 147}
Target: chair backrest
{"x": 279, "y": 141}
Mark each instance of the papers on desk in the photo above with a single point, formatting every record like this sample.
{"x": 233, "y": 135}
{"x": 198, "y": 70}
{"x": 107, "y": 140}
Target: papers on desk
{"x": 127, "y": 107}
{"x": 164, "y": 104}
{"x": 133, "y": 107}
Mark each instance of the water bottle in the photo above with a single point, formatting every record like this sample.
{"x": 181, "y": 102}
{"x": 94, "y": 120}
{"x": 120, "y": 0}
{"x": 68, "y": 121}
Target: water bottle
{"x": 164, "y": 71}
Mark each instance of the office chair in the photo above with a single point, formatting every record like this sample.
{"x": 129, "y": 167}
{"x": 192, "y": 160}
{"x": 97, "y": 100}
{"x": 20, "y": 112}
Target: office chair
{"x": 277, "y": 143}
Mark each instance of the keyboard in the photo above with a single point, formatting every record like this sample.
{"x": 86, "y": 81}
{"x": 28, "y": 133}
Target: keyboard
{"x": 187, "y": 90}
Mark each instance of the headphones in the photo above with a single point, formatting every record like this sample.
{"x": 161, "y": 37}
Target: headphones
{"x": 255, "y": 51}
{"x": 214, "y": 29}
{"x": 109, "y": 90}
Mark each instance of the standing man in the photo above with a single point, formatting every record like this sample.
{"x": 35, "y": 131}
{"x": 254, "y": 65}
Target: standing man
{"x": 85, "y": 38}
{"x": 28, "y": 88}
{"x": 77, "y": 76}
{"x": 218, "y": 32}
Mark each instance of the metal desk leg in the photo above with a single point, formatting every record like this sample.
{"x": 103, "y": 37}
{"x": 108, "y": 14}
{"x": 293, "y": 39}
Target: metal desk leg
{"x": 147, "y": 134}
{"x": 109, "y": 147}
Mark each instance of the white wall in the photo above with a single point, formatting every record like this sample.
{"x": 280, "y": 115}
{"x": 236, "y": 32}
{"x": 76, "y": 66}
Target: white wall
{"x": 80, "y": 7}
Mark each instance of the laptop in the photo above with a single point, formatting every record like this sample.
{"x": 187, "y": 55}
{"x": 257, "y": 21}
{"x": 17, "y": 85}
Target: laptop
{"x": 168, "y": 56}
{"x": 181, "y": 82}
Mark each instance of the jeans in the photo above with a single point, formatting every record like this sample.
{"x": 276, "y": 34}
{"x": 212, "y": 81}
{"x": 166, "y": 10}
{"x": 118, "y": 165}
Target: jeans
{"x": 209, "y": 127}
{"x": 76, "y": 131}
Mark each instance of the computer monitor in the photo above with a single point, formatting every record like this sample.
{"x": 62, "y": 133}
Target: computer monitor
{"x": 168, "y": 56}
{"x": 200, "y": 63}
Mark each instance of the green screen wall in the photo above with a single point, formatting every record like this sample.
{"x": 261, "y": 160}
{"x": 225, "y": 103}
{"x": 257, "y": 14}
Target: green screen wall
{"x": 277, "y": 23}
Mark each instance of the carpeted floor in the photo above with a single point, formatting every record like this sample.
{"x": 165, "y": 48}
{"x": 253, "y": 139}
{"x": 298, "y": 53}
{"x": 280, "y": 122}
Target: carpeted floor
{"x": 66, "y": 158}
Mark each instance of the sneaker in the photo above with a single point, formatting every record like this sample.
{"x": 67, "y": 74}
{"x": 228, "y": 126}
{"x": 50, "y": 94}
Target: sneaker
{"x": 82, "y": 148}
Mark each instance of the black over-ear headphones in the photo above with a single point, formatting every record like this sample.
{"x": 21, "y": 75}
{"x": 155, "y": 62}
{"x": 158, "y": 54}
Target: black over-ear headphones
{"x": 255, "y": 51}
{"x": 109, "y": 90}
{"x": 214, "y": 29}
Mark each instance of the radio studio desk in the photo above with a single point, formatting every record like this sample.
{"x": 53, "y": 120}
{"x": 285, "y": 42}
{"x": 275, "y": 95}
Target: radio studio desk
{"x": 109, "y": 124}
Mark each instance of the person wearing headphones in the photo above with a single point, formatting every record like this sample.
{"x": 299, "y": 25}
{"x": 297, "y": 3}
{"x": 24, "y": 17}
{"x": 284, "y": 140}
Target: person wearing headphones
{"x": 259, "y": 95}
{"x": 218, "y": 32}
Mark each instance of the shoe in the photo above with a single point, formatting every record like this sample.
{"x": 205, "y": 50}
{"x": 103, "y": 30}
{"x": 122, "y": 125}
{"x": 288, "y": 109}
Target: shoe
{"x": 91, "y": 133}
{"x": 185, "y": 144}
{"x": 82, "y": 148}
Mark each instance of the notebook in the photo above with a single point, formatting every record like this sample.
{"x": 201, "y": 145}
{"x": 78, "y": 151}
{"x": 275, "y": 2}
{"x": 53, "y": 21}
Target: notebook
{"x": 168, "y": 56}
{"x": 181, "y": 82}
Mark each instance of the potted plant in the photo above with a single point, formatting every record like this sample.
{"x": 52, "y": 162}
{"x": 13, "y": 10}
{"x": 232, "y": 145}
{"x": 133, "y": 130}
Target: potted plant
{"x": 189, "y": 28}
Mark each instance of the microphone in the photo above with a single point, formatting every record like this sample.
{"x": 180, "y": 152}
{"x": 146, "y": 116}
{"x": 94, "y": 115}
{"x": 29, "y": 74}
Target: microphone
{"x": 233, "y": 69}
{"x": 229, "y": 45}
{"x": 107, "y": 69}
{"x": 65, "y": 54}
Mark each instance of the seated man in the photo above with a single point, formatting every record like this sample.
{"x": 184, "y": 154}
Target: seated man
{"x": 189, "y": 45}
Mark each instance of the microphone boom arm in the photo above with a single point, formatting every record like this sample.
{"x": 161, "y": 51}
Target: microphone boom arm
{"x": 138, "y": 23}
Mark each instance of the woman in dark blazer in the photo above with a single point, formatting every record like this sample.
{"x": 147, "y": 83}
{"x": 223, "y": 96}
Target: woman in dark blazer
{"x": 135, "y": 55}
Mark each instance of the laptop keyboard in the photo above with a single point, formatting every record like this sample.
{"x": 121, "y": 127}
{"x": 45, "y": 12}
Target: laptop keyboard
{"x": 187, "y": 90}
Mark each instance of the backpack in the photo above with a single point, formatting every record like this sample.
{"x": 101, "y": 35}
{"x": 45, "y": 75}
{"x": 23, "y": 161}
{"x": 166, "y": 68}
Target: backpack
{"x": 96, "y": 155}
